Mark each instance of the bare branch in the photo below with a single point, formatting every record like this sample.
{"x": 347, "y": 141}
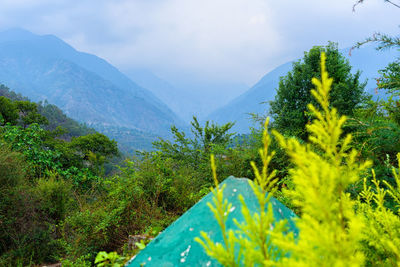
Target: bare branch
{"x": 362, "y": 1}
{"x": 390, "y": 2}
{"x": 356, "y": 4}
{"x": 384, "y": 41}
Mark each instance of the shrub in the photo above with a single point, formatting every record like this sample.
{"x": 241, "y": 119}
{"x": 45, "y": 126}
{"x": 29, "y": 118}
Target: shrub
{"x": 330, "y": 230}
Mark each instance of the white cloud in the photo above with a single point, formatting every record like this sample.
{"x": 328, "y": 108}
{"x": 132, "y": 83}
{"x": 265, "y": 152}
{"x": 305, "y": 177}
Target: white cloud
{"x": 231, "y": 40}
{"x": 210, "y": 37}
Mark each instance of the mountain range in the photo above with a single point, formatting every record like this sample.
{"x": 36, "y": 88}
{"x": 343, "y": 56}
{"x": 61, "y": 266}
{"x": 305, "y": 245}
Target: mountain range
{"x": 86, "y": 87}
{"x": 137, "y": 107}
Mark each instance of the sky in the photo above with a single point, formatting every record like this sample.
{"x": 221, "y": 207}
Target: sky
{"x": 235, "y": 41}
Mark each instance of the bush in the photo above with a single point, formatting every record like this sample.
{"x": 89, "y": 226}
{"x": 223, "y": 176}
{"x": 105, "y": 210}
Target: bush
{"x": 54, "y": 197}
{"x": 330, "y": 231}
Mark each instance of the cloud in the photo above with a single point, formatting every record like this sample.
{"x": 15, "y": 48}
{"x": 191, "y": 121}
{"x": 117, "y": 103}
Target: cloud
{"x": 221, "y": 40}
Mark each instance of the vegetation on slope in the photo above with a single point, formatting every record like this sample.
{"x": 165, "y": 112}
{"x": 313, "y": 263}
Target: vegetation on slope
{"x": 57, "y": 203}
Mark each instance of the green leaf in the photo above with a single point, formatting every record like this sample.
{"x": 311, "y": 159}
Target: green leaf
{"x": 140, "y": 245}
{"x": 101, "y": 256}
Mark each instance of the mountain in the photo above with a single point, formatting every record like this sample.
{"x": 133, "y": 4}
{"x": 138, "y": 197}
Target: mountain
{"x": 252, "y": 101}
{"x": 187, "y": 95}
{"x": 173, "y": 97}
{"x": 86, "y": 87}
{"x": 256, "y": 99}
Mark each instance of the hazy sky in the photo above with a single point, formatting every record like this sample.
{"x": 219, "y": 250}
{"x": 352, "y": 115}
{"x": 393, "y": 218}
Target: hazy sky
{"x": 217, "y": 40}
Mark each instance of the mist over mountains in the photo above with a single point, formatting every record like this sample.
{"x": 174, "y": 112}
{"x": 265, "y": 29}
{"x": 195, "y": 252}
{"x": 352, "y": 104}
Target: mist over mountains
{"x": 137, "y": 107}
{"x": 188, "y": 96}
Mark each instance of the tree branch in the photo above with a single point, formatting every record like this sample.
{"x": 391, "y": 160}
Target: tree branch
{"x": 362, "y": 1}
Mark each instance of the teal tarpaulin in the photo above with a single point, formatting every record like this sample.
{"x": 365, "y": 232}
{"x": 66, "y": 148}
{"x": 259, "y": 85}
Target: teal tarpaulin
{"x": 175, "y": 246}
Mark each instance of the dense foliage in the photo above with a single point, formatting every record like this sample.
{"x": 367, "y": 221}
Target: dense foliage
{"x": 334, "y": 228}
{"x": 289, "y": 109}
{"x": 43, "y": 178}
{"x": 62, "y": 201}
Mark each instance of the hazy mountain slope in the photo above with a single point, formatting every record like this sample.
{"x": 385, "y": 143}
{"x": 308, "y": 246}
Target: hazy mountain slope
{"x": 366, "y": 59}
{"x": 86, "y": 87}
{"x": 188, "y": 96}
{"x": 252, "y": 101}
{"x": 173, "y": 97}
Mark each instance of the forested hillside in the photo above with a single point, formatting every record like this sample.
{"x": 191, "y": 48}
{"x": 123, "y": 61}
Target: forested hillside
{"x": 55, "y": 117}
{"x": 44, "y": 161}
{"x": 85, "y": 87}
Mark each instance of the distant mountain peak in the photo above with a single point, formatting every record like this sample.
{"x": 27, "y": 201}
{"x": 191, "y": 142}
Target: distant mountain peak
{"x": 16, "y": 34}
{"x": 47, "y": 42}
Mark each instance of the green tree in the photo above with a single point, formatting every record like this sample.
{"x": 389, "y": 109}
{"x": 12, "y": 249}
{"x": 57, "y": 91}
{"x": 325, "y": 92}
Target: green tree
{"x": 28, "y": 113}
{"x": 390, "y": 78}
{"x": 211, "y": 134}
{"x": 289, "y": 109}
{"x": 390, "y": 82}
{"x": 375, "y": 126}
{"x": 30, "y": 142}
{"x": 8, "y": 111}
{"x": 206, "y": 139}
{"x": 94, "y": 148}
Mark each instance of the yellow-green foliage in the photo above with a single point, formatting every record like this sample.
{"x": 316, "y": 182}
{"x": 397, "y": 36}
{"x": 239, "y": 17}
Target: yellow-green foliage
{"x": 330, "y": 230}
{"x": 251, "y": 245}
{"x": 225, "y": 253}
{"x": 381, "y": 235}
{"x": 254, "y": 232}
